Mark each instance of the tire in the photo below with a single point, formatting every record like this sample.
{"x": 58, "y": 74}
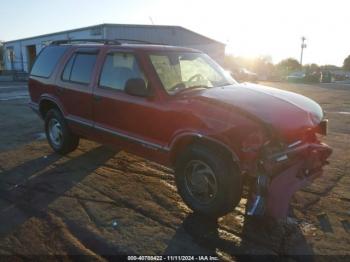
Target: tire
{"x": 205, "y": 163}
{"x": 60, "y": 138}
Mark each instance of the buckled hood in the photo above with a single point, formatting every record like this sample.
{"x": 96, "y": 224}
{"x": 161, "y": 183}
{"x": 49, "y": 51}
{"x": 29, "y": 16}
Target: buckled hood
{"x": 286, "y": 112}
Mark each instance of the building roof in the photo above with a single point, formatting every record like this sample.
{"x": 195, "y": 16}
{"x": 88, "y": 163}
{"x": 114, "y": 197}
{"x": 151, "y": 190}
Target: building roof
{"x": 115, "y": 25}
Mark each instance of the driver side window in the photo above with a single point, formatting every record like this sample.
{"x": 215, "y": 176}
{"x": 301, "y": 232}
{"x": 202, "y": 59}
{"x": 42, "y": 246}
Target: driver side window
{"x": 118, "y": 69}
{"x": 168, "y": 71}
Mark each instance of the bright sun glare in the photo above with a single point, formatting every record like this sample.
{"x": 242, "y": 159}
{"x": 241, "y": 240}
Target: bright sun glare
{"x": 254, "y": 28}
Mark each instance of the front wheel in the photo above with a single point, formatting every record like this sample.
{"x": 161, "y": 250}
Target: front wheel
{"x": 60, "y": 138}
{"x": 208, "y": 181}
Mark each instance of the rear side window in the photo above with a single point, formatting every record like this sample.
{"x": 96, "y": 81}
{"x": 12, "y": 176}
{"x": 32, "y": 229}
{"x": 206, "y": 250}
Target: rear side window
{"x": 47, "y": 61}
{"x": 79, "y": 68}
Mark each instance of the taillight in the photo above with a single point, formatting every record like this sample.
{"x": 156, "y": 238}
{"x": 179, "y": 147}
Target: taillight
{"x": 253, "y": 142}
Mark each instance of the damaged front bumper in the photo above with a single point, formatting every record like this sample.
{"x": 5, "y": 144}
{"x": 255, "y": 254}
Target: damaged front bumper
{"x": 281, "y": 174}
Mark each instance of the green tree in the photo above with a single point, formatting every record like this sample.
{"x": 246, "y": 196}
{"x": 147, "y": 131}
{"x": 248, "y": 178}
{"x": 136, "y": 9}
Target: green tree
{"x": 346, "y": 64}
{"x": 311, "y": 68}
{"x": 329, "y": 67}
{"x": 288, "y": 65}
{"x": 263, "y": 66}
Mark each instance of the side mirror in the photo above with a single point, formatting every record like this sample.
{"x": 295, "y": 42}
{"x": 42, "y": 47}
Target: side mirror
{"x": 136, "y": 87}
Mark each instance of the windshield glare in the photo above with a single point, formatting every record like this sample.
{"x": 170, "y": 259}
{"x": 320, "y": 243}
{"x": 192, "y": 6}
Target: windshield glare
{"x": 181, "y": 71}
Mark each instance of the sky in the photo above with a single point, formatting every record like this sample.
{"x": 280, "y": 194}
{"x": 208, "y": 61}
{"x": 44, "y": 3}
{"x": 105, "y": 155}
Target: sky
{"x": 248, "y": 27}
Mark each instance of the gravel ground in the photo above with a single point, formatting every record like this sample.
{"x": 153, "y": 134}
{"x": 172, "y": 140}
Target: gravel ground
{"x": 100, "y": 202}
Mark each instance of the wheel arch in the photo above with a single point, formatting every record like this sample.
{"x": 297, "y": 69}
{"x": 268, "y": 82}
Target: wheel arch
{"x": 184, "y": 141}
{"x": 46, "y": 103}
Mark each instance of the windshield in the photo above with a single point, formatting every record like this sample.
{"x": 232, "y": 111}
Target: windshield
{"x": 184, "y": 71}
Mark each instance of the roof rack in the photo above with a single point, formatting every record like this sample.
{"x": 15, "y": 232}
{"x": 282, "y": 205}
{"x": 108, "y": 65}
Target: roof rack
{"x": 117, "y": 41}
{"x": 133, "y": 40}
{"x": 100, "y": 41}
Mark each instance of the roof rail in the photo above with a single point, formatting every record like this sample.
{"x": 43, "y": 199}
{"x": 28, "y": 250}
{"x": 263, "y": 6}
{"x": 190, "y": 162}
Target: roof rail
{"x": 71, "y": 41}
{"x": 133, "y": 40}
{"x": 117, "y": 41}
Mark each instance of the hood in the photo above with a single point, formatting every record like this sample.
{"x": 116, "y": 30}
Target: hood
{"x": 286, "y": 112}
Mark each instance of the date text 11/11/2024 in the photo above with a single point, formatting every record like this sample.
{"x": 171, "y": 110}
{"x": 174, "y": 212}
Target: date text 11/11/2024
{"x": 173, "y": 258}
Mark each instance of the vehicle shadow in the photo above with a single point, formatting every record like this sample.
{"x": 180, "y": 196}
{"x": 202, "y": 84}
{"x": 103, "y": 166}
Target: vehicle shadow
{"x": 25, "y": 194}
{"x": 12, "y": 178}
{"x": 257, "y": 240}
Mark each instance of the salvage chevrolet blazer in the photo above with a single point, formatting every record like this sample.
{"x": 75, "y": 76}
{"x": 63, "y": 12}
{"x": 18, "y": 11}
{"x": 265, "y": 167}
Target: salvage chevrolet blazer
{"x": 177, "y": 107}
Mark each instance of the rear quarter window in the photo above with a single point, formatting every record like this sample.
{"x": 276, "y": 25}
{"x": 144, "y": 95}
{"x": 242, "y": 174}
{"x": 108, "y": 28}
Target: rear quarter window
{"x": 47, "y": 61}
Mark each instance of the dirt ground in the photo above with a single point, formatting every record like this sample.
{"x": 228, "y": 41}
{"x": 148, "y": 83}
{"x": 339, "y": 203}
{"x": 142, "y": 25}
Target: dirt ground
{"x": 99, "y": 202}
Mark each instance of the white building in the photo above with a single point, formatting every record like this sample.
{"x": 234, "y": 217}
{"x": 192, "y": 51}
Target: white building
{"x": 20, "y": 54}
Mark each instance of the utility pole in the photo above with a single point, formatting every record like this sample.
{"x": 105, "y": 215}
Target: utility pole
{"x": 303, "y": 45}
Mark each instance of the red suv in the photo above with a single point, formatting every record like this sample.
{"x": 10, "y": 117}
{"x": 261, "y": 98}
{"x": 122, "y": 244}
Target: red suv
{"x": 177, "y": 107}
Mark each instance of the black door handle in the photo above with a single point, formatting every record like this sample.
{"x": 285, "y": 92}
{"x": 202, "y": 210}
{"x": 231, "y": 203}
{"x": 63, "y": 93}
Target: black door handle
{"x": 97, "y": 98}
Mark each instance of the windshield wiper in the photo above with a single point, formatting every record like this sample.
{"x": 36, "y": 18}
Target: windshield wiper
{"x": 223, "y": 84}
{"x": 192, "y": 87}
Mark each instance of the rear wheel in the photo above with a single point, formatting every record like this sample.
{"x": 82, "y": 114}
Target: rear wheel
{"x": 60, "y": 138}
{"x": 208, "y": 181}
